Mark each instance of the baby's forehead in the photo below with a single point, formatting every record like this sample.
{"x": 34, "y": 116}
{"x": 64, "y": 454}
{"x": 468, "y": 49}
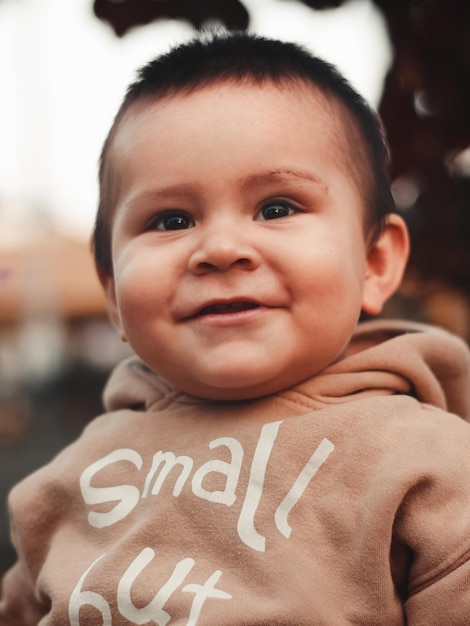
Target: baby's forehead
{"x": 345, "y": 140}
{"x": 138, "y": 112}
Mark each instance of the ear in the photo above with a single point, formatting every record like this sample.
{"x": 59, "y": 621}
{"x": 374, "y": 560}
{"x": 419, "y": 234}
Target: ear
{"x": 109, "y": 287}
{"x": 385, "y": 264}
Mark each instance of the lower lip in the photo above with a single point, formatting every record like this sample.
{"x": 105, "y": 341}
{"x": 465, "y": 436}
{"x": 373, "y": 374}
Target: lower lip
{"x": 233, "y": 318}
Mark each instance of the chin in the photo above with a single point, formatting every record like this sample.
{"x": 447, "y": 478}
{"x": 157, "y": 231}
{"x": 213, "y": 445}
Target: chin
{"x": 232, "y": 389}
{"x": 230, "y": 395}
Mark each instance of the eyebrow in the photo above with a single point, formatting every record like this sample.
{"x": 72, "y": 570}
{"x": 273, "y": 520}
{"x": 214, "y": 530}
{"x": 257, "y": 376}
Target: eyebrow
{"x": 277, "y": 175}
{"x": 163, "y": 193}
{"x": 283, "y": 174}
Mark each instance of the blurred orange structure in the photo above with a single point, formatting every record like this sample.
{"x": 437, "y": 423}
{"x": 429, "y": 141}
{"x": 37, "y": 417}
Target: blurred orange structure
{"x": 53, "y": 274}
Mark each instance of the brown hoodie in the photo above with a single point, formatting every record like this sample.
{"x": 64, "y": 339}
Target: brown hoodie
{"x": 344, "y": 500}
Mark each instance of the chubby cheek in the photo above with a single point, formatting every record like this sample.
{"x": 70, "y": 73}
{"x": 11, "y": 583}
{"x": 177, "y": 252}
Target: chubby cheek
{"x": 141, "y": 294}
{"x": 331, "y": 287}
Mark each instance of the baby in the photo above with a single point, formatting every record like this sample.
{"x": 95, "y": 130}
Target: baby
{"x": 265, "y": 459}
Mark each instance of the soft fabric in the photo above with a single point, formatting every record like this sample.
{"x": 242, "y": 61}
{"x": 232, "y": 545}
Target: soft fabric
{"x": 344, "y": 500}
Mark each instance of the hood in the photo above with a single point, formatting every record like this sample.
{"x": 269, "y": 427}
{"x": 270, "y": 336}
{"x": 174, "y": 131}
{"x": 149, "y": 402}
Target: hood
{"x": 383, "y": 358}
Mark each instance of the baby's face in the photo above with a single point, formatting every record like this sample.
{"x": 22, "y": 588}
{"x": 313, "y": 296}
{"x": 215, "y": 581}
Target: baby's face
{"x": 240, "y": 264}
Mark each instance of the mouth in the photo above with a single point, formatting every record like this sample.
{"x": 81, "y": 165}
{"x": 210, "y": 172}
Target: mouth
{"x": 224, "y": 308}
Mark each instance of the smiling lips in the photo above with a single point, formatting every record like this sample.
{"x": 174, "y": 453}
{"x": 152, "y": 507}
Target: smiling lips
{"x": 221, "y": 308}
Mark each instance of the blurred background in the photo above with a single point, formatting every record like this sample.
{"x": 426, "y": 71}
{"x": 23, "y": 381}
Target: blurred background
{"x": 64, "y": 66}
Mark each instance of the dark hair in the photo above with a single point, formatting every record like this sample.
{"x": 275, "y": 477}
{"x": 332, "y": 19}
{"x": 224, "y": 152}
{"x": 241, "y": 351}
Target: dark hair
{"x": 209, "y": 59}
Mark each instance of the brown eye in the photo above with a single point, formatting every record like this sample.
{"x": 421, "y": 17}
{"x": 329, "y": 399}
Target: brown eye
{"x": 275, "y": 210}
{"x": 173, "y": 221}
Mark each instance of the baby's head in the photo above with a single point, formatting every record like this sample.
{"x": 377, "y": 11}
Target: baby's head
{"x": 249, "y": 60}
{"x": 245, "y": 216}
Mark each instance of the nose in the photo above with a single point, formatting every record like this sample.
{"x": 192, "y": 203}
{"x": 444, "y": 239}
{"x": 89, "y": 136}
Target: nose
{"x": 223, "y": 249}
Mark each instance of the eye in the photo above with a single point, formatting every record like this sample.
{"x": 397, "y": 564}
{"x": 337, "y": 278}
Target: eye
{"x": 172, "y": 221}
{"x": 275, "y": 210}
